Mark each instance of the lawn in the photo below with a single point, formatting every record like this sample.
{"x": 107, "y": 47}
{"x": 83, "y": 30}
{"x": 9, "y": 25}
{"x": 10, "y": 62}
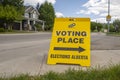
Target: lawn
{"x": 113, "y": 34}
{"x": 109, "y": 73}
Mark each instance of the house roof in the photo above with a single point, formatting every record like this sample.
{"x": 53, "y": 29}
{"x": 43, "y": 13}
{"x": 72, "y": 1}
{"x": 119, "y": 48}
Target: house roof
{"x": 30, "y": 9}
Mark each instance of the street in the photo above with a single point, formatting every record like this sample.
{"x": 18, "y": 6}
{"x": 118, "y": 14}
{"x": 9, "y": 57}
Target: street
{"x": 100, "y": 41}
{"x": 16, "y": 46}
{"x": 27, "y": 53}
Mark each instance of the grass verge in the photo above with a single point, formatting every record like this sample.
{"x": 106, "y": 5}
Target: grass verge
{"x": 113, "y": 34}
{"x": 110, "y": 73}
{"x": 16, "y": 32}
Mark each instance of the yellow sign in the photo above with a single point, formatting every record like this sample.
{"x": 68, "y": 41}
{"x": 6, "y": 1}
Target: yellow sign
{"x": 108, "y": 18}
{"x": 70, "y": 42}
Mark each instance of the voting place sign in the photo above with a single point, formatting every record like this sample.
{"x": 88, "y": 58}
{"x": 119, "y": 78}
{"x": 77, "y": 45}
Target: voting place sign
{"x": 70, "y": 43}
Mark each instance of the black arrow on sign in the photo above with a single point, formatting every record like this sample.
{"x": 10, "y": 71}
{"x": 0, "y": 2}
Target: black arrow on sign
{"x": 79, "y": 49}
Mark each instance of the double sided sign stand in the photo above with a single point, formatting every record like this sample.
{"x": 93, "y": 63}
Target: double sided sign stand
{"x": 70, "y": 42}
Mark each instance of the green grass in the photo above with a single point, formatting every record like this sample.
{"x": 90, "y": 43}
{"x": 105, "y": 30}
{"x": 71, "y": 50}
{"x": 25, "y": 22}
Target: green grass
{"x": 109, "y": 73}
{"x": 16, "y": 31}
{"x": 113, "y": 34}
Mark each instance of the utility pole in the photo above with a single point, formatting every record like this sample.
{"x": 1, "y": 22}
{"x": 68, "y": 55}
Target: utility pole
{"x": 108, "y": 18}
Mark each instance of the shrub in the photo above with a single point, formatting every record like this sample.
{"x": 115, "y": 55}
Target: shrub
{"x": 96, "y": 26}
{"x": 10, "y": 30}
{"x": 38, "y": 27}
{"x": 112, "y": 29}
{"x": 2, "y": 30}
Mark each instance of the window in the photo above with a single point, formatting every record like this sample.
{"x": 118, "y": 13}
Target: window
{"x": 26, "y": 15}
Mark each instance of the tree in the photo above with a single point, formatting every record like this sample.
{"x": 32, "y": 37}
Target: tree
{"x": 8, "y": 15}
{"x": 47, "y": 14}
{"x": 96, "y": 26}
{"x": 16, "y": 3}
{"x": 93, "y": 26}
{"x": 11, "y": 10}
{"x": 38, "y": 6}
{"x": 99, "y": 27}
{"x": 116, "y": 25}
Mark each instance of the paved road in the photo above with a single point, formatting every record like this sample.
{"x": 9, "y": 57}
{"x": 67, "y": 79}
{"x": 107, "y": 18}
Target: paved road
{"x": 20, "y": 45}
{"x": 27, "y": 53}
{"x": 16, "y": 38}
{"x": 102, "y": 42}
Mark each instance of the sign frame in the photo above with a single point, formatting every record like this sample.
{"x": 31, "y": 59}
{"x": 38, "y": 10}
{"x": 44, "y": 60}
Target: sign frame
{"x": 70, "y": 43}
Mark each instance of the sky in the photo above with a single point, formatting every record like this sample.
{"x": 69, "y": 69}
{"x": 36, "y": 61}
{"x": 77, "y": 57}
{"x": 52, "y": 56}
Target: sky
{"x": 96, "y": 10}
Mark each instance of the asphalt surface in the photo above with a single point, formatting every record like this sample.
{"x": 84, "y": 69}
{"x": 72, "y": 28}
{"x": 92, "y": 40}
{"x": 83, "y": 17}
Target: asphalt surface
{"x": 16, "y": 46}
{"x": 27, "y": 53}
{"x": 17, "y": 38}
{"x": 99, "y": 41}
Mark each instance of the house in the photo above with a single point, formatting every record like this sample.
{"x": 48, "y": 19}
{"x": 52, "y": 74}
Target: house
{"x": 31, "y": 16}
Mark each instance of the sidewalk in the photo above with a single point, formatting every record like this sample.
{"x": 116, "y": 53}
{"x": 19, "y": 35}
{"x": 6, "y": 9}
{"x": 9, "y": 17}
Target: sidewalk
{"x": 99, "y": 58}
{"x": 36, "y": 64}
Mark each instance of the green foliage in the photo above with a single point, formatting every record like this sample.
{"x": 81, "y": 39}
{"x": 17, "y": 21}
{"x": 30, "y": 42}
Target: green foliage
{"x": 113, "y": 34}
{"x": 2, "y": 30}
{"x": 16, "y": 3}
{"x": 105, "y": 26}
{"x": 51, "y": 76}
{"x": 116, "y": 22}
{"x": 10, "y": 30}
{"x": 9, "y": 14}
{"x": 39, "y": 27}
{"x": 37, "y": 6}
{"x": 99, "y": 27}
{"x": 93, "y": 26}
{"x": 47, "y": 14}
{"x": 21, "y": 77}
{"x": 96, "y": 26}
{"x": 116, "y": 25}
{"x": 109, "y": 73}
{"x": 112, "y": 29}
{"x": 11, "y": 10}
